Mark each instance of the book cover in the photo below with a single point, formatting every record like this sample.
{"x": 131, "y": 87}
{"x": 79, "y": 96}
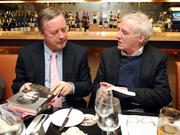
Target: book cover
{"x": 30, "y": 101}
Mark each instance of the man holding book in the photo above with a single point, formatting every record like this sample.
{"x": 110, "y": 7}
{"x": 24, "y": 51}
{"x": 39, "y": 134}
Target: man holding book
{"x": 55, "y": 63}
{"x": 134, "y": 66}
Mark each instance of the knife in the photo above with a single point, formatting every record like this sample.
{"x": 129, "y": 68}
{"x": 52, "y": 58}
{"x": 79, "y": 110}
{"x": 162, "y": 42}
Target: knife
{"x": 65, "y": 120}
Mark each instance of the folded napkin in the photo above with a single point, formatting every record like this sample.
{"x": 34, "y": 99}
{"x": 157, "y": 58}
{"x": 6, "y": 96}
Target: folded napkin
{"x": 41, "y": 127}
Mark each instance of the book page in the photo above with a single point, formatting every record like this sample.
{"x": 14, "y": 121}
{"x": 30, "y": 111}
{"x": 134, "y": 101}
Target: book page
{"x": 120, "y": 90}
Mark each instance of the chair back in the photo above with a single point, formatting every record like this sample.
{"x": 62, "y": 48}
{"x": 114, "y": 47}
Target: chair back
{"x": 178, "y": 85}
{"x": 7, "y": 71}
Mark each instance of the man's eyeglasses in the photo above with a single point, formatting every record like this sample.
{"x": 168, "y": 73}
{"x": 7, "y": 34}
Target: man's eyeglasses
{"x": 137, "y": 124}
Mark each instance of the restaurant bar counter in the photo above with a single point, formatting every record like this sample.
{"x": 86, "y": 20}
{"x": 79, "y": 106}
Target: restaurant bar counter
{"x": 164, "y": 40}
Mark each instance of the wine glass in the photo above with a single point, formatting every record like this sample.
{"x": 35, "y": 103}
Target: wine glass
{"x": 107, "y": 109}
{"x": 103, "y": 104}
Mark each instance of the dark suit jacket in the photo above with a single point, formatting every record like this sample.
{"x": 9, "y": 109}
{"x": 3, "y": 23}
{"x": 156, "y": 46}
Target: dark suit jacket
{"x": 2, "y": 88}
{"x": 153, "y": 91}
{"x": 30, "y": 67}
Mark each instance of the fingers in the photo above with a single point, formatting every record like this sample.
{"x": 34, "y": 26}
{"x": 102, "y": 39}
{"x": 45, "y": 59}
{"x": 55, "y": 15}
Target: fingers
{"x": 103, "y": 92}
{"x": 62, "y": 88}
{"x": 26, "y": 86}
{"x": 105, "y": 84}
{"x": 104, "y": 89}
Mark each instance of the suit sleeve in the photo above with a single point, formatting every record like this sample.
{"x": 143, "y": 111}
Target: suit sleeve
{"x": 83, "y": 82}
{"x": 20, "y": 74}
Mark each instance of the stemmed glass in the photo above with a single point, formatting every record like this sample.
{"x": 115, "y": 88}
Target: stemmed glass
{"x": 107, "y": 109}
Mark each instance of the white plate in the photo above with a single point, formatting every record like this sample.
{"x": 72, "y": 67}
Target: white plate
{"x": 75, "y": 117}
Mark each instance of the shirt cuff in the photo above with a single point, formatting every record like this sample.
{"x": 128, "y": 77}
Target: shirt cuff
{"x": 73, "y": 87}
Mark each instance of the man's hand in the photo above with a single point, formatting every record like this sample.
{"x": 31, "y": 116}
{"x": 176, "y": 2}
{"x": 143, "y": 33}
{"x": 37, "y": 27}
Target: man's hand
{"x": 26, "y": 86}
{"x": 103, "y": 88}
{"x": 62, "y": 88}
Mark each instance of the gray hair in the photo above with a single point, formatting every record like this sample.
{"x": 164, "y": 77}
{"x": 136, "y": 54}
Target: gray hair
{"x": 47, "y": 14}
{"x": 141, "y": 23}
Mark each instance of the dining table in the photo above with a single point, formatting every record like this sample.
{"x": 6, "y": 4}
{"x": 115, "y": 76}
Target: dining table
{"x": 126, "y": 127}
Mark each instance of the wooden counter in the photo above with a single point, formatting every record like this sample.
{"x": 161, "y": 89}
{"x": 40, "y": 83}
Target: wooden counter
{"x": 163, "y": 36}
{"x": 10, "y": 41}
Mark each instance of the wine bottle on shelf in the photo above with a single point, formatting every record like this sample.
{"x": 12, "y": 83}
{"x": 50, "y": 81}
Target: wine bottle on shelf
{"x": 111, "y": 21}
{"x": 114, "y": 21}
{"x": 105, "y": 23}
{"x": 70, "y": 20}
{"x": 100, "y": 20}
{"x": 85, "y": 21}
{"x": 77, "y": 21}
{"x": 94, "y": 18}
{"x": 66, "y": 15}
{"x": 73, "y": 21}
{"x": 118, "y": 16}
{"x": 1, "y": 25}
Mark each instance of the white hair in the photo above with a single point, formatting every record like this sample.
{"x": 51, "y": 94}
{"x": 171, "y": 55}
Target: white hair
{"x": 141, "y": 23}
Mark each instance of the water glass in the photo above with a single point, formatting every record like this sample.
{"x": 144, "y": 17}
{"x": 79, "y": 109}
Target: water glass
{"x": 169, "y": 122}
{"x": 108, "y": 119}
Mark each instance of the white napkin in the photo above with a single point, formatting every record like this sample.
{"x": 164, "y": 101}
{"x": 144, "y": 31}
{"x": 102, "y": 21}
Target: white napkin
{"x": 32, "y": 125}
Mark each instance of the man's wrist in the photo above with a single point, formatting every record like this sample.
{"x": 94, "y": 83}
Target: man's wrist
{"x": 73, "y": 87}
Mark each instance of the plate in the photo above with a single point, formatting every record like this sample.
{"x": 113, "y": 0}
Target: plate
{"x": 75, "y": 117}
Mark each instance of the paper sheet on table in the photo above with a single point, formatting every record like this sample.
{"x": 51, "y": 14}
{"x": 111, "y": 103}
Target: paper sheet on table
{"x": 129, "y": 127}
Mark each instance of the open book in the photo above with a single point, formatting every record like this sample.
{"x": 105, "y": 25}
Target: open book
{"x": 122, "y": 91}
{"x": 30, "y": 101}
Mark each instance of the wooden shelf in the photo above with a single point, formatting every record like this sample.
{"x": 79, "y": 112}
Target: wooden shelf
{"x": 98, "y": 35}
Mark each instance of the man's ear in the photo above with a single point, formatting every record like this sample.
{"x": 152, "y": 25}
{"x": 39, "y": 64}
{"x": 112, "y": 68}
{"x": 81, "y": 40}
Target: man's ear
{"x": 142, "y": 37}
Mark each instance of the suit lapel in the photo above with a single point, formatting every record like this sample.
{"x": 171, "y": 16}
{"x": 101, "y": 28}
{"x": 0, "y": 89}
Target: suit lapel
{"x": 39, "y": 64}
{"x": 114, "y": 70}
{"x": 146, "y": 65}
{"x": 68, "y": 57}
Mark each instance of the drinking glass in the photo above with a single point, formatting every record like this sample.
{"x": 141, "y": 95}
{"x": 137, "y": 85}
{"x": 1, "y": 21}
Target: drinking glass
{"x": 169, "y": 122}
{"x": 107, "y": 109}
{"x": 100, "y": 101}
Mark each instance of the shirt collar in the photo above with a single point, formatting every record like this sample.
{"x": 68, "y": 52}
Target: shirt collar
{"x": 136, "y": 53}
{"x": 48, "y": 51}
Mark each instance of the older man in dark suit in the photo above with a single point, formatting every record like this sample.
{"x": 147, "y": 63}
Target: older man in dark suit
{"x": 134, "y": 66}
{"x": 34, "y": 62}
